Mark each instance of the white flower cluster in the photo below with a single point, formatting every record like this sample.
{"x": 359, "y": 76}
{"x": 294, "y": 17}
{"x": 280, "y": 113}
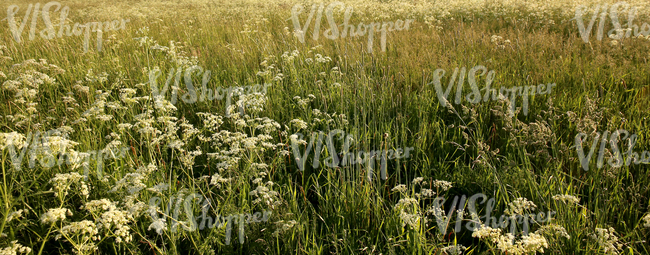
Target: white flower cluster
{"x": 24, "y": 80}
{"x": 252, "y": 103}
{"x": 83, "y": 228}
{"x": 411, "y": 219}
{"x": 444, "y": 185}
{"x": 607, "y": 240}
{"x": 298, "y": 123}
{"x": 409, "y": 212}
{"x": 426, "y": 193}
{"x": 555, "y": 230}
{"x": 405, "y": 202}
{"x": 269, "y": 197}
{"x": 63, "y": 182}
{"x": 518, "y": 206}
{"x": 531, "y": 243}
{"x": 454, "y": 250}
{"x": 158, "y": 225}
{"x": 116, "y": 221}
{"x": 283, "y": 226}
{"x": 399, "y": 188}
{"x": 14, "y": 249}
{"x": 11, "y": 139}
{"x": 499, "y": 42}
{"x": 95, "y": 206}
{"x": 55, "y": 214}
{"x": 15, "y": 215}
{"x": 133, "y": 182}
{"x": 217, "y": 180}
{"x": 567, "y": 199}
{"x": 306, "y": 101}
{"x": 419, "y": 180}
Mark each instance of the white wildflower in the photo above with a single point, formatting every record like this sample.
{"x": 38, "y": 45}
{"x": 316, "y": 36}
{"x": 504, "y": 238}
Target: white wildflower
{"x": 454, "y": 250}
{"x": 444, "y": 185}
{"x": 607, "y": 240}
{"x": 159, "y": 225}
{"x": 15, "y": 215}
{"x": 15, "y": 248}
{"x": 399, "y": 188}
{"x": 55, "y": 214}
{"x": 418, "y": 180}
{"x": 518, "y": 206}
{"x": 567, "y": 199}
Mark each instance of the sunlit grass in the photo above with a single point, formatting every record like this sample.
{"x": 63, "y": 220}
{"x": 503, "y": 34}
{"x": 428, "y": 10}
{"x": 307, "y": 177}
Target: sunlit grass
{"x": 384, "y": 99}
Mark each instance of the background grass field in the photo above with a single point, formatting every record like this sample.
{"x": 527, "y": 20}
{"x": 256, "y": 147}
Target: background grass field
{"x": 245, "y": 164}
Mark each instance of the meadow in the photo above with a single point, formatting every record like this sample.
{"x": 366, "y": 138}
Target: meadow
{"x": 162, "y": 140}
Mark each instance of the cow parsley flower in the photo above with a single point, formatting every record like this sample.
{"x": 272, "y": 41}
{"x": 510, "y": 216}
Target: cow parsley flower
{"x": 266, "y": 196}
{"x": 444, "y": 185}
{"x": 567, "y": 199}
{"x": 284, "y": 226}
{"x": 55, "y": 214}
{"x": 116, "y": 222}
{"x": 399, "y": 188}
{"x": 63, "y": 182}
{"x": 554, "y": 229}
{"x": 531, "y": 243}
{"x": 607, "y": 240}
{"x": 454, "y": 250}
{"x": 15, "y": 215}
{"x": 217, "y": 180}
{"x": 518, "y": 206}
{"x": 300, "y": 124}
{"x": 159, "y": 225}
{"x": 15, "y": 248}
{"x": 84, "y": 227}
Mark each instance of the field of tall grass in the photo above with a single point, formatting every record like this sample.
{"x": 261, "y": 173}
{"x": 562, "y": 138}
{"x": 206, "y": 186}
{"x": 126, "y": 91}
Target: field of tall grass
{"x": 107, "y": 150}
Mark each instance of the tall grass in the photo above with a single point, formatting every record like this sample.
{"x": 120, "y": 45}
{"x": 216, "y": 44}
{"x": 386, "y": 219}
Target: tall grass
{"x": 384, "y": 99}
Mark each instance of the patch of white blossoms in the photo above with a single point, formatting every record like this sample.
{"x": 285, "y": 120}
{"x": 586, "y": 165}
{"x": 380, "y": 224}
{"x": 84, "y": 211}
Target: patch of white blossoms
{"x": 567, "y": 199}
{"x": 607, "y": 240}
{"x": 55, "y": 214}
{"x": 531, "y": 243}
{"x": 14, "y": 249}
{"x": 63, "y": 182}
{"x": 444, "y": 185}
{"x": 518, "y": 206}
{"x": 266, "y": 196}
